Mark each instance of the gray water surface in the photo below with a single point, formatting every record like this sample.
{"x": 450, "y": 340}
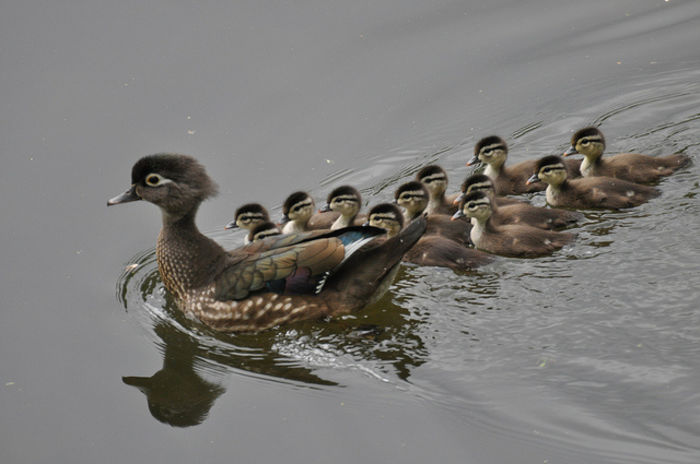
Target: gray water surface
{"x": 591, "y": 355}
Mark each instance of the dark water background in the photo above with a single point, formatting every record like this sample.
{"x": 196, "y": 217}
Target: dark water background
{"x": 589, "y": 356}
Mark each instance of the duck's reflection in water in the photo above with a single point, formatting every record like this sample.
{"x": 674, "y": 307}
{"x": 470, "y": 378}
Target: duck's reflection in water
{"x": 381, "y": 341}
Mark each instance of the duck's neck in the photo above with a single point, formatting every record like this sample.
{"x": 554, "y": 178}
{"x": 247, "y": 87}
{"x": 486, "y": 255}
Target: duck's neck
{"x": 410, "y": 215}
{"x": 554, "y": 190}
{"x": 493, "y": 170}
{"x": 478, "y": 228}
{"x": 589, "y": 165}
{"x": 187, "y": 259}
{"x": 294, "y": 227}
{"x": 435, "y": 202}
{"x": 343, "y": 221}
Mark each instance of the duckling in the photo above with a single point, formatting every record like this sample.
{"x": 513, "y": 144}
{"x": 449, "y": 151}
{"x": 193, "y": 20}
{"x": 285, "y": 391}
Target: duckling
{"x": 347, "y": 201}
{"x": 297, "y": 210}
{"x": 588, "y": 192}
{"x": 509, "y": 180}
{"x": 633, "y": 167}
{"x": 248, "y": 217}
{"x": 269, "y": 282}
{"x": 515, "y": 240}
{"x": 263, "y": 231}
{"x": 435, "y": 180}
{"x": 413, "y": 197}
{"x": 520, "y": 212}
{"x": 430, "y": 250}
{"x": 484, "y": 182}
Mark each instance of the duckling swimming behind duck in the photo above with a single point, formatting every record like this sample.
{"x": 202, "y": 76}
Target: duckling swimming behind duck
{"x": 435, "y": 180}
{"x": 263, "y": 231}
{"x": 346, "y": 201}
{"x": 269, "y": 282}
{"x": 633, "y": 167}
{"x": 413, "y": 197}
{"x": 520, "y": 212}
{"x": 430, "y": 250}
{"x": 248, "y": 217}
{"x": 516, "y": 240}
{"x": 509, "y": 180}
{"x": 588, "y": 192}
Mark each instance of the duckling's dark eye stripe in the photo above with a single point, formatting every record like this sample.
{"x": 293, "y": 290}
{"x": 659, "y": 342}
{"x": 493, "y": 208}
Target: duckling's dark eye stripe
{"x": 556, "y": 167}
{"x": 436, "y": 177}
{"x": 477, "y": 203}
{"x": 265, "y": 234}
{"x": 410, "y": 195}
{"x": 490, "y": 148}
{"x": 481, "y": 186}
{"x": 383, "y": 217}
{"x": 349, "y": 198}
{"x": 299, "y": 206}
{"x": 250, "y": 216}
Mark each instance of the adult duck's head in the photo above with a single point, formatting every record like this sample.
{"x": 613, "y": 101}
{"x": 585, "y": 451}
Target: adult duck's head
{"x": 177, "y": 184}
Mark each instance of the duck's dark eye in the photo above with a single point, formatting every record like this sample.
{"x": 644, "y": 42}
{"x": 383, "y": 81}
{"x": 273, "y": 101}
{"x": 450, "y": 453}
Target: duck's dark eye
{"x": 487, "y": 151}
{"x": 584, "y": 142}
{"x": 546, "y": 170}
{"x": 153, "y": 179}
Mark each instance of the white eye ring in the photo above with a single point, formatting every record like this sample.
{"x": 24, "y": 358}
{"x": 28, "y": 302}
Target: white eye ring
{"x": 155, "y": 180}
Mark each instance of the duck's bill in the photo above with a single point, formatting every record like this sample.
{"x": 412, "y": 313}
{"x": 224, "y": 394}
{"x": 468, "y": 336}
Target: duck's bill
{"x": 474, "y": 160}
{"x": 457, "y": 215}
{"x": 126, "y": 197}
{"x": 231, "y": 225}
{"x": 571, "y": 151}
{"x": 533, "y": 178}
{"x": 458, "y": 199}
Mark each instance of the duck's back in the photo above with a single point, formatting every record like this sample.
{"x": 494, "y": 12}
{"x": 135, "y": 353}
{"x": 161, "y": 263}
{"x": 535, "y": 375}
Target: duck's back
{"x": 433, "y": 250}
{"x": 608, "y": 192}
{"x": 639, "y": 168}
{"x": 522, "y": 241}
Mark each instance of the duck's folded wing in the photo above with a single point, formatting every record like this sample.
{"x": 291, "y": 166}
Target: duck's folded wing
{"x": 298, "y": 267}
{"x": 304, "y": 261}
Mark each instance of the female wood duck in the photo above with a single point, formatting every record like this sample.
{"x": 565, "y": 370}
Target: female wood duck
{"x": 248, "y": 217}
{"x": 430, "y": 250}
{"x": 588, "y": 192}
{"x": 435, "y": 180}
{"x": 515, "y": 240}
{"x": 413, "y": 198}
{"x": 633, "y": 167}
{"x": 520, "y": 212}
{"x": 346, "y": 201}
{"x": 269, "y": 282}
{"x": 509, "y": 180}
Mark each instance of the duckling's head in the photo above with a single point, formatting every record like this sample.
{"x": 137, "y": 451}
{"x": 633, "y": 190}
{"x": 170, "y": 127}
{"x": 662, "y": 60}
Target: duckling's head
{"x": 248, "y": 216}
{"x": 434, "y": 178}
{"x": 476, "y": 205}
{"x": 491, "y": 150}
{"x": 177, "y": 184}
{"x": 263, "y": 230}
{"x": 478, "y": 182}
{"x": 413, "y": 197}
{"x": 550, "y": 170}
{"x": 386, "y": 216}
{"x": 298, "y": 207}
{"x": 345, "y": 199}
{"x": 589, "y": 142}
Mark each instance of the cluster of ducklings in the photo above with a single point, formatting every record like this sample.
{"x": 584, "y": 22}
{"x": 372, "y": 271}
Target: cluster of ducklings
{"x": 482, "y": 215}
{"x": 309, "y": 275}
